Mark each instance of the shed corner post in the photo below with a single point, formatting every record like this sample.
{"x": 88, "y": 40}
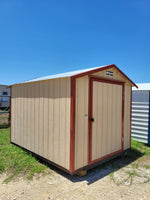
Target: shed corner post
{"x": 10, "y": 110}
{"x": 72, "y": 125}
{"x": 123, "y": 108}
{"x": 90, "y": 110}
{"x": 130, "y": 115}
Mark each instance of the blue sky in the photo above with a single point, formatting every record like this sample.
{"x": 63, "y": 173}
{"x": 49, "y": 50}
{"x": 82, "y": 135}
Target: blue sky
{"x": 43, "y": 37}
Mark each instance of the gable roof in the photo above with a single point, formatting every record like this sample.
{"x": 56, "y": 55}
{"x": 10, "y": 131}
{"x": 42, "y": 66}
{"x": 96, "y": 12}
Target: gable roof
{"x": 142, "y": 86}
{"x": 79, "y": 73}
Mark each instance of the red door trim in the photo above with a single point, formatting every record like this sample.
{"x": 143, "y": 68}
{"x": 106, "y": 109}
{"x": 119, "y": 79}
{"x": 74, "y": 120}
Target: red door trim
{"x": 90, "y": 110}
{"x": 130, "y": 114}
{"x": 72, "y": 125}
{"x": 123, "y": 96}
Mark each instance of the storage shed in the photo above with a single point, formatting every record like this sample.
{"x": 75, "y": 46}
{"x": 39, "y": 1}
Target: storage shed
{"x": 141, "y": 113}
{"x": 74, "y": 120}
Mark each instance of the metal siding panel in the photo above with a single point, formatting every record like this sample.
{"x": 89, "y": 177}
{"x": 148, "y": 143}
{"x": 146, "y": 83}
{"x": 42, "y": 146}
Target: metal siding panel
{"x": 67, "y": 121}
{"x": 51, "y": 119}
{"x": 81, "y": 122}
{"x": 149, "y": 121}
{"x": 140, "y": 96}
{"x": 46, "y": 119}
{"x": 56, "y": 120}
{"x": 41, "y": 119}
{"x": 36, "y": 116}
{"x": 62, "y": 148}
{"x": 140, "y": 116}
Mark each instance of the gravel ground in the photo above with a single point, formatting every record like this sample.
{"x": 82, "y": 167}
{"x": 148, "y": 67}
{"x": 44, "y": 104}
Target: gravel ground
{"x": 129, "y": 182}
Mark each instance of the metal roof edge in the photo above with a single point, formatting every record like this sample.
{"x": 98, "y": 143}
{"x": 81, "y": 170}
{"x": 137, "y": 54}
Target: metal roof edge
{"x": 103, "y": 68}
{"x": 125, "y": 76}
{"x": 78, "y": 73}
{"x": 142, "y": 87}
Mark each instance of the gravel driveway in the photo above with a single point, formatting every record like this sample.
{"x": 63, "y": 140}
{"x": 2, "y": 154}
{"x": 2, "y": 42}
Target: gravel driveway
{"x": 131, "y": 181}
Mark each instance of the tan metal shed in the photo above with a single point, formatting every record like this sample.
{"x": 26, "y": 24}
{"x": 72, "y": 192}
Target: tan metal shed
{"x": 74, "y": 120}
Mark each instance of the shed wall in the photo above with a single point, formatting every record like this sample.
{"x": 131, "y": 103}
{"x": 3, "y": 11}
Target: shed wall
{"x": 40, "y": 120}
{"x": 81, "y": 122}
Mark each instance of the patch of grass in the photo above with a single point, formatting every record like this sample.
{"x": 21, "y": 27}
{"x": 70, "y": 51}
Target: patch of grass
{"x": 4, "y": 117}
{"x": 112, "y": 176}
{"x": 138, "y": 146}
{"x": 15, "y": 161}
{"x": 146, "y": 166}
{"x": 135, "y": 165}
{"x": 132, "y": 173}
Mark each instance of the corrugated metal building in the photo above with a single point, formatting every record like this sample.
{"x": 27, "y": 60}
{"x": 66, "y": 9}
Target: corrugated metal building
{"x": 141, "y": 113}
{"x": 74, "y": 120}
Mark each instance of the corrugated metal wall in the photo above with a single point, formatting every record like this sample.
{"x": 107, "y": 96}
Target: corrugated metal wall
{"x": 140, "y": 115}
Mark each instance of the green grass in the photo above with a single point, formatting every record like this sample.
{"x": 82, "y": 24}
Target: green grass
{"x": 15, "y": 161}
{"x": 138, "y": 146}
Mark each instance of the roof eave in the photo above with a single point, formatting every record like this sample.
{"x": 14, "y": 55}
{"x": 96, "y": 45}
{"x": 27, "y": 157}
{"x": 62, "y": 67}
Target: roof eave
{"x": 101, "y": 69}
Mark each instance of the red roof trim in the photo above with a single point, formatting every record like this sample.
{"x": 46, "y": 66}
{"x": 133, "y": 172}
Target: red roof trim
{"x": 101, "y": 69}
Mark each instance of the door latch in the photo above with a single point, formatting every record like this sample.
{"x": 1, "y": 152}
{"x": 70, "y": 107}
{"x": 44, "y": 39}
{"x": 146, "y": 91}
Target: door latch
{"x": 92, "y": 119}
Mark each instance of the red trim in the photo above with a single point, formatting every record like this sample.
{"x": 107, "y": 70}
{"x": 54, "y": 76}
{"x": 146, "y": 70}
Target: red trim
{"x": 99, "y": 79}
{"x": 106, "y": 80}
{"x": 106, "y": 156}
{"x": 72, "y": 125}
{"x": 123, "y": 95}
{"x": 130, "y": 115}
{"x": 90, "y": 111}
{"x": 126, "y": 76}
{"x": 10, "y": 109}
{"x": 104, "y": 68}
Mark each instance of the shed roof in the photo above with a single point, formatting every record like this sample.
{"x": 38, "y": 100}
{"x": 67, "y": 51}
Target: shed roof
{"x": 79, "y": 73}
{"x": 142, "y": 86}
{"x": 62, "y": 75}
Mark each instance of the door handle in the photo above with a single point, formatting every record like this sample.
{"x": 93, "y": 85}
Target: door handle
{"x": 92, "y": 119}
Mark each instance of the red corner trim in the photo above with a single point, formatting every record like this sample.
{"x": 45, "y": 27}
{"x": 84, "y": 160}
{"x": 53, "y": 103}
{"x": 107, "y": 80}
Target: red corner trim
{"x": 90, "y": 111}
{"x": 130, "y": 114}
{"x": 123, "y": 96}
{"x": 72, "y": 125}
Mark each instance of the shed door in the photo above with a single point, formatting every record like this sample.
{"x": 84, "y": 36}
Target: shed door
{"x": 106, "y": 118}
